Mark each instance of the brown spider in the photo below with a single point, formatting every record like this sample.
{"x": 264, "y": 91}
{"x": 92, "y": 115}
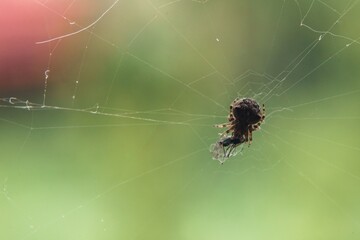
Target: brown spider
{"x": 244, "y": 118}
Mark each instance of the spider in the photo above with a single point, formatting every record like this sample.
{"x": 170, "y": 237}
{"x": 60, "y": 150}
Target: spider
{"x": 245, "y": 117}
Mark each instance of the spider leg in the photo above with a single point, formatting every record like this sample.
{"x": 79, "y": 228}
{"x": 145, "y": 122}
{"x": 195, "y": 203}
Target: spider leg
{"x": 246, "y": 137}
{"x": 227, "y": 131}
{"x": 250, "y": 137}
{"x": 231, "y": 117}
{"x": 255, "y": 126}
{"x": 263, "y": 112}
{"x": 223, "y": 125}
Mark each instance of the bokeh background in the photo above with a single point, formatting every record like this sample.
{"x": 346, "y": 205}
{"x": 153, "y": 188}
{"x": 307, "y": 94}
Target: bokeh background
{"x": 105, "y": 134}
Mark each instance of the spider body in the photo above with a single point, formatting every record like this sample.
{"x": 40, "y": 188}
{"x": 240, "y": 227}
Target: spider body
{"x": 245, "y": 117}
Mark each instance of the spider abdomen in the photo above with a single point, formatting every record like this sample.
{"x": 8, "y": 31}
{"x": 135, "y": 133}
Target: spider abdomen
{"x": 246, "y": 111}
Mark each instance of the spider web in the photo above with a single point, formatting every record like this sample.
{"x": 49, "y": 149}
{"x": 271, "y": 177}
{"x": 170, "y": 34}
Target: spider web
{"x": 107, "y": 114}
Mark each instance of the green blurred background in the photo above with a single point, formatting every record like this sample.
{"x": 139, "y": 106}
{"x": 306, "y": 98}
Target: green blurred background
{"x": 118, "y": 146}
